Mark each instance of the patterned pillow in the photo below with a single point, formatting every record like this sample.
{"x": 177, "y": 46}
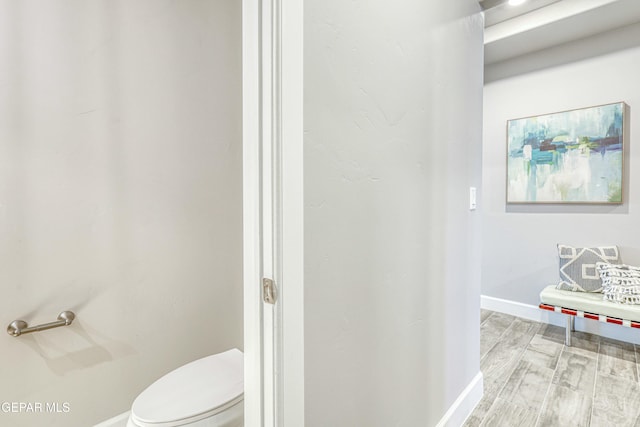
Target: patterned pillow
{"x": 621, "y": 283}
{"x": 578, "y": 267}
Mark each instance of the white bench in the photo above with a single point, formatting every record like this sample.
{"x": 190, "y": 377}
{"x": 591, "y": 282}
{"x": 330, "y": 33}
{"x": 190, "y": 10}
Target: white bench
{"x": 588, "y": 305}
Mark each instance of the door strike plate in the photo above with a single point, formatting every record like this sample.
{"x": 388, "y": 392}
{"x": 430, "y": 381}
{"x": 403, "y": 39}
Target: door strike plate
{"x": 269, "y": 294}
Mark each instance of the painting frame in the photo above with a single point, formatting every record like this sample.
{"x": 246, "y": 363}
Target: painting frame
{"x": 571, "y": 157}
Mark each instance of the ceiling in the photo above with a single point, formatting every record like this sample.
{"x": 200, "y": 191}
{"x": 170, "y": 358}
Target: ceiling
{"x": 511, "y": 31}
{"x": 498, "y": 10}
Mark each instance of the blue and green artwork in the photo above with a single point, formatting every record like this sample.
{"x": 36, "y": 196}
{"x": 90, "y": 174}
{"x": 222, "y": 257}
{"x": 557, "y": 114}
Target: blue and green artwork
{"x": 569, "y": 157}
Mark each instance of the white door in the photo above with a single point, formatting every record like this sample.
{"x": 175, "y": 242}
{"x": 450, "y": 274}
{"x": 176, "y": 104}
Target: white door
{"x": 273, "y": 212}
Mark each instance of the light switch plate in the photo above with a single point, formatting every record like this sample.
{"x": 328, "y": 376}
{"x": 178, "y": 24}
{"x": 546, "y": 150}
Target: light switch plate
{"x": 472, "y": 198}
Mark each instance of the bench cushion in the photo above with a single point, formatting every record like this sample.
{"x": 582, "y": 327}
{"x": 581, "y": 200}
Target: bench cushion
{"x": 589, "y": 302}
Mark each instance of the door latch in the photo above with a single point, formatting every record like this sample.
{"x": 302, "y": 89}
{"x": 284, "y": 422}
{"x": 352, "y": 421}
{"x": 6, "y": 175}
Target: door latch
{"x": 269, "y": 291}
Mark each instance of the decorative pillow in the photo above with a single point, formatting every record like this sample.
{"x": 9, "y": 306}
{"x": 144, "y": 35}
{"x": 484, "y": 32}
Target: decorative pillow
{"x": 578, "y": 267}
{"x": 621, "y": 283}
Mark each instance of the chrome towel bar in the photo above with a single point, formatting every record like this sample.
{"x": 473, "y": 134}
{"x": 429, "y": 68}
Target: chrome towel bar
{"x": 19, "y": 327}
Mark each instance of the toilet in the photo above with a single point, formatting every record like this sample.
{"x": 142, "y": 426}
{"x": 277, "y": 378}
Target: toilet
{"x": 207, "y": 392}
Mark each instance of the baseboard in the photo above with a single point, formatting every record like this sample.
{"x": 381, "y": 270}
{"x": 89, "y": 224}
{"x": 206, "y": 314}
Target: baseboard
{"x": 464, "y": 404}
{"x": 117, "y": 421}
{"x": 532, "y": 312}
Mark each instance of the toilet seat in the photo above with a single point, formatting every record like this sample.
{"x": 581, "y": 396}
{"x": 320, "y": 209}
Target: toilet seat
{"x": 192, "y": 392}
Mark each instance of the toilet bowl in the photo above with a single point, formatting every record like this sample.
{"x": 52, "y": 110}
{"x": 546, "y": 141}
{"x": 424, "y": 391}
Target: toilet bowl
{"x": 208, "y": 392}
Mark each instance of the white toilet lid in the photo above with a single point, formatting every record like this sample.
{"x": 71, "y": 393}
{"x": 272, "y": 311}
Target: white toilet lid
{"x": 192, "y": 392}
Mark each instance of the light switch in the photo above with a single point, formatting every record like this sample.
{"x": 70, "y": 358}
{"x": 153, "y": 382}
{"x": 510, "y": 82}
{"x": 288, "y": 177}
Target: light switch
{"x": 472, "y": 198}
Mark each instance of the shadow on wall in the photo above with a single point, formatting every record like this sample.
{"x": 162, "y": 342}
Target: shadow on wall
{"x": 550, "y": 208}
{"x": 544, "y": 273}
{"x": 601, "y": 44}
{"x": 88, "y": 352}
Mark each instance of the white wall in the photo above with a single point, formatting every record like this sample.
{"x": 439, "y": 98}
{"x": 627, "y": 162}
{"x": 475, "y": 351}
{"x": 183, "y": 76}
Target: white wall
{"x": 519, "y": 251}
{"x": 120, "y": 196}
{"x": 392, "y": 143}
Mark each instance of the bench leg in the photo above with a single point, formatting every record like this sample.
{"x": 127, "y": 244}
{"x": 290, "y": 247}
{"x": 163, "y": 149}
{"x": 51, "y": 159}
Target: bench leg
{"x": 568, "y": 329}
{"x": 573, "y": 323}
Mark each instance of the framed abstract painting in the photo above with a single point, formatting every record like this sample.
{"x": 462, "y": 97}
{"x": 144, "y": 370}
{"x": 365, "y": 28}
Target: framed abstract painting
{"x": 572, "y": 156}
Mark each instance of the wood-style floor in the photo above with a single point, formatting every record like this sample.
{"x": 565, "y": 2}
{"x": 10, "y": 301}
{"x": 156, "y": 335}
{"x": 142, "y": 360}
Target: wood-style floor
{"x": 532, "y": 379}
